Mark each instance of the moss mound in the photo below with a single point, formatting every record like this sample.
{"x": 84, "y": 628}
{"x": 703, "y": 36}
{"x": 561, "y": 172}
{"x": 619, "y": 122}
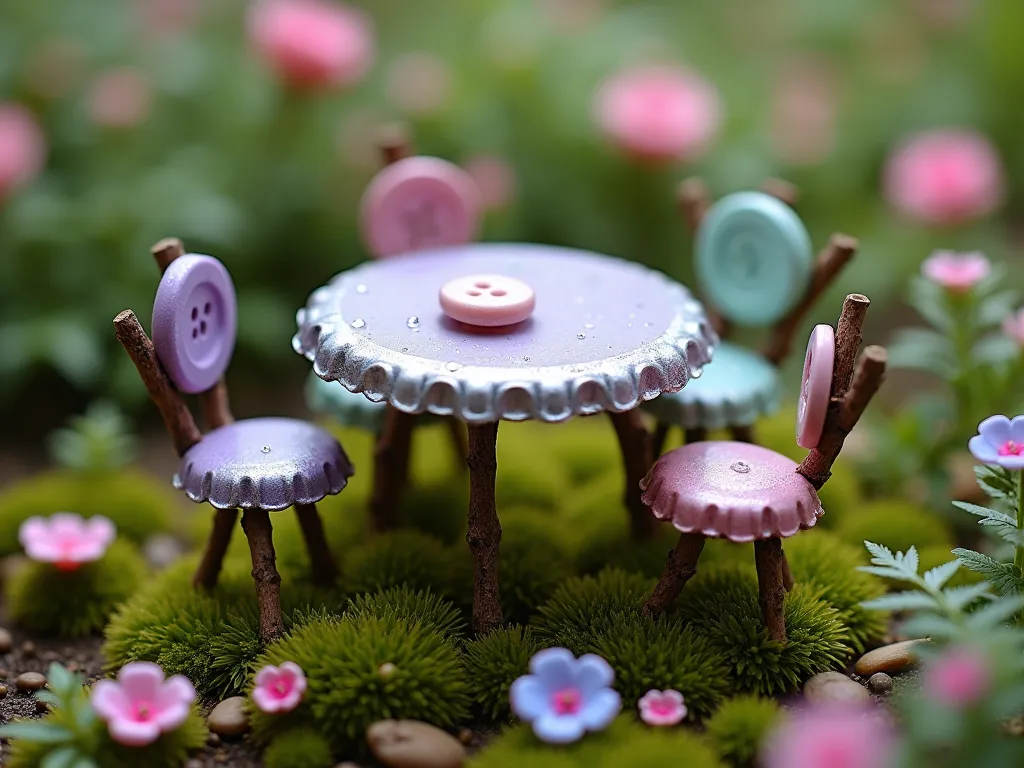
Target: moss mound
{"x": 298, "y": 748}
{"x": 404, "y": 558}
{"x": 586, "y": 449}
{"x": 41, "y": 598}
{"x": 362, "y": 671}
{"x": 493, "y": 662}
{"x": 722, "y": 606}
{"x": 647, "y": 556}
{"x": 822, "y": 560}
{"x": 210, "y": 637}
{"x": 524, "y": 479}
{"x": 438, "y": 508}
{"x": 534, "y": 563}
{"x": 739, "y": 726}
{"x": 138, "y": 504}
{"x": 425, "y": 608}
{"x": 896, "y": 524}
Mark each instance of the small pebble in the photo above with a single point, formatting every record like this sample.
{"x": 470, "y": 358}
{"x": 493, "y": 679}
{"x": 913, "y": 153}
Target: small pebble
{"x": 67, "y": 651}
{"x": 42, "y": 707}
{"x": 888, "y": 658}
{"x": 387, "y": 669}
{"x": 193, "y": 763}
{"x": 221, "y": 757}
{"x": 161, "y": 550}
{"x": 346, "y": 764}
{"x": 213, "y": 740}
{"x": 6, "y": 641}
{"x": 465, "y": 736}
{"x": 50, "y": 656}
{"x": 4, "y": 672}
{"x": 3, "y": 691}
{"x": 834, "y": 688}
{"x": 229, "y": 718}
{"x": 28, "y": 648}
{"x": 30, "y": 681}
{"x": 880, "y": 683}
{"x": 412, "y": 744}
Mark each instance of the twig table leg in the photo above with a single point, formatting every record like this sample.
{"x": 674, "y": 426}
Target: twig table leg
{"x": 787, "y": 574}
{"x": 391, "y": 468}
{"x": 324, "y": 569}
{"x": 680, "y": 568}
{"x": 771, "y": 586}
{"x": 635, "y": 444}
{"x": 216, "y": 547}
{"x": 256, "y": 524}
{"x": 484, "y": 536}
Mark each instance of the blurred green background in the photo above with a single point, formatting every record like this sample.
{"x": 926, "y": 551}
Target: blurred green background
{"x": 228, "y": 158}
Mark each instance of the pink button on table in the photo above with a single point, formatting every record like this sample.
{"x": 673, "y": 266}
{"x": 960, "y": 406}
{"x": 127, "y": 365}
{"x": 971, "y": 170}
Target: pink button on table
{"x": 816, "y": 387}
{"x": 487, "y": 300}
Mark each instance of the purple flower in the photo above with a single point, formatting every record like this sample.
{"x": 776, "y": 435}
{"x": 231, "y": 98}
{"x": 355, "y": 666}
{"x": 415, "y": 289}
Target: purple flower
{"x": 1000, "y": 442}
{"x": 564, "y": 697}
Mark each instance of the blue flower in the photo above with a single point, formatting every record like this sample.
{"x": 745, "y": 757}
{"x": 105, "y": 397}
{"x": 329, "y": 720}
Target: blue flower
{"x": 1001, "y": 442}
{"x": 565, "y": 697}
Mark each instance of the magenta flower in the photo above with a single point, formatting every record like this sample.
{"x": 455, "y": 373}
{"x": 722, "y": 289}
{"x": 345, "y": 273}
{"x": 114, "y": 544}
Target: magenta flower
{"x": 65, "y": 539}
{"x": 956, "y": 272}
{"x": 958, "y": 678}
{"x": 1013, "y": 326}
{"x": 831, "y": 737}
{"x": 313, "y": 43}
{"x": 141, "y": 704}
{"x": 662, "y": 707}
{"x": 1000, "y": 441}
{"x": 658, "y": 114}
{"x": 279, "y": 689}
{"x": 944, "y": 177}
{"x": 22, "y": 147}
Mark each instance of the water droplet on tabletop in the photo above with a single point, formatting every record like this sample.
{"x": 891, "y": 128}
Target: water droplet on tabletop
{"x": 361, "y": 289}
{"x": 265, "y": 449}
{"x": 588, "y": 326}
{"x": 581, "y": 336}
{"x": 358, "y": 323}
{"x": 412, "y": 322}
{"x": 453, "y": 367}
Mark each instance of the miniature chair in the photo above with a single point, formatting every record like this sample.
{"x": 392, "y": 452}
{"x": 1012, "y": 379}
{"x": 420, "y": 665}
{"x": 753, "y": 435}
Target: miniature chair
{"x": 258, "y": 465}
{"x": 748, "y": 493}
{"x": 754, "y": 264}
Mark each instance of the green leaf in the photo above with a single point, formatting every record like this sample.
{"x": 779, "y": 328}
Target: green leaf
{"x": 85, "y": 762}
{"x": 924, "y": 350}
{"x": 995, "y": 307}
{"x": 996, "y": 613}
{"x": 64, "y": 757}
{"x": 998, "y": 483}
{"x": 930, "y": 301}
{"x": 887, "y": 572}
{"x": 83, "y": 712}
{"x": 37, "y": 732}
{"x": 961, "y": 597}
{"x": 1001, "y": 575}
{"x": 999, "y": 523}
{"x": 931, "y": 625}
{"x": 59, "y": 678}
{"x": 49, "y": 697}
{"x": 937, "y": 577}
{"x": 911, "y": 600}
{"x": 984, "y": 512}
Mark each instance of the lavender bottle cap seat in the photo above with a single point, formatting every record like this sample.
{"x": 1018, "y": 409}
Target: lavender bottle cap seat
{"x": 730, "y": 490}
{"x": 267, "y": 464}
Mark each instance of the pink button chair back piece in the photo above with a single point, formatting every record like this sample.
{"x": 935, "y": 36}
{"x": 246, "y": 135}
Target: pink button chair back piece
{"x": 419, "y": 203}
{"x": 816, "y": 387}
{"x": 487, "y": 300}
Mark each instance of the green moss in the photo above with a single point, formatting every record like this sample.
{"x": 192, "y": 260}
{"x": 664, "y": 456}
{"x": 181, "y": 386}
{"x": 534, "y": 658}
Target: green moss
{"x": 822, "y": 560}
{"x": 348, "y": 690}
{"x": 585, "y": 448}
{"x": 41, "y": 598}
{"x": 298, "y": 748}
{"x": 533, "y": 566}
{"x": 210, "y": 637}
{"x": 624, "y": 744}
{"x": 739, "y": 726}
{"x": 438, "y": 508}
{"x": 896, "y": 524}
{"x": 722, "y": 605}
{"x": 432, "y": 612}
{"x": 137, "y": 503}
{"x": 588, "y": 606}
{"x": 493, "y": 662}
{"x": 646, "y": 556}
{"x": 524, "y": 479}
{"x": 596, "y": 515}
{"x": 403, "y": 558}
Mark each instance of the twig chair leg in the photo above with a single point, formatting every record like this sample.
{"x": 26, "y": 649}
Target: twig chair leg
{"x": 324, "y": 569}
{"x": 635, "y": 444}
{"x": 771, "y": 586}
{"x": 216, "y": 547}
{"x": 256, "y": 524}
{"x": 680, "y": 568}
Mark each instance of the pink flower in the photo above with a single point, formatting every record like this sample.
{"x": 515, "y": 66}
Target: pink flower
{"x": 312, "y": 43}
{"x": 495, "y": 178}
{"x": 119, "y": 98}
{"x": 22, "y": 147}
{"x": 167, "y": 17}
{"x": 279, "y": 689}
{"x": 1013, "y": 326}
{"x": 831, "y": 737}
{"x": 804, "y": 108}
{"x": 959, "y": 677}
{"x": 65, "y": 539}
{"x": 944, "y": 177}
{"x": 956, "y": 272}
{"x": 141, "y": 704}
{"x": 662, "y": 707}
{"x": 658, "y": 114}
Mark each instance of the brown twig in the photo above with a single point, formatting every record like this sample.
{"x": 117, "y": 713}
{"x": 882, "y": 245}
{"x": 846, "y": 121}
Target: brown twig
{"x": 680, "y": 568}
{"x": 391, "y": 468}
{"x": 180, "y": 424}
{"x": 637, "y": 458}
{"x": 830, "y": 262}
{"x": 395, "y": 143}
{"x": 849, "y": 335}
{"x": 259, "y": 532}
{"x": 457, "y": 437}
{"x": 208, "y": 572}
{"x": 322, "y": 566}
{"x": 783, "y": 190}
{"x": 693, "y": 200}
{"x": 771, "y": 586}
{"x": 166, "y": 251}
{"x": 484, "y": 535}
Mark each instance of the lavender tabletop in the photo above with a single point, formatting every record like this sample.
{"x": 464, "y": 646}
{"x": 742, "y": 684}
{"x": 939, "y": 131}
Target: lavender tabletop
{"x": 606, "y": 334}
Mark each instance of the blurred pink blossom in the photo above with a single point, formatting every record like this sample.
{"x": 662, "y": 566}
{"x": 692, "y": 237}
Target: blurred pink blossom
{"x": 661, "y": 708}
{"x": 279, "y": 689}
{"x": 168, "y": 17}
{"x": 572, "y": 16}
{"x": 944, "y": 177}
{"x": 120, "y": 98}
{"x": 313, "y": 43}
{"x": 831, "y": 737}
{"x": 958, "y": 678}
{"x": 65, "y": 539}
{"x": 419, "y": 83}
{"x": 804, "y": 112}
{"x": 141, "y": 704}
{"x": 1013, "y": 326}
{"x": 956, "y": 272}
{"x": 657, "y": 113}
{"x": 22, "y": 147}
{"x": 495, "y": 178}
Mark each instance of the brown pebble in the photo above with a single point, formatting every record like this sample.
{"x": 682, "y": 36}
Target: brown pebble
{"x": 888, "y": 658}
{"x": 229, "y": 718}
{"x": 221, "y": 757}
{"x": 880, "y": 683}
{"x": 213, "y": 740}
{"x": 4, "y": 672}
{"x": 42, "y": 707}
{"x": 834, "y": 688}
{"x": 465, "y": 736}
{"x": 28, "y": 648}
{"x": 193, "y": 763}
{"x": 67, "y": 651}
{"x": 50, "y": 656}
{"x": 346, "y": 764}
{"x": 3, "y": 691}
{"x": 6, "y": 641}
{"x": 412, "y": 744}
{"x": 30, "y": 681}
